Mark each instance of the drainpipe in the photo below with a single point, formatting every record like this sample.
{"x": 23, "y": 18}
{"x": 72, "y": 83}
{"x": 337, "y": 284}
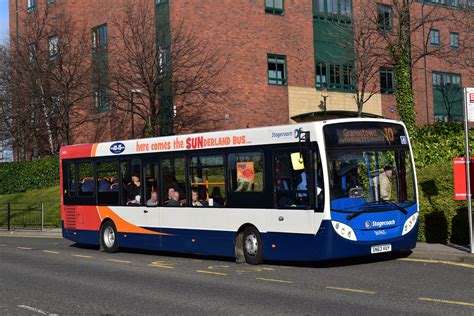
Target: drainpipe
{"x": 424, "y": 64}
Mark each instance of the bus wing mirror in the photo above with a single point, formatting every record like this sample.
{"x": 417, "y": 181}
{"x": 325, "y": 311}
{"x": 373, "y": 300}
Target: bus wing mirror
{"x": 297, "y": 161}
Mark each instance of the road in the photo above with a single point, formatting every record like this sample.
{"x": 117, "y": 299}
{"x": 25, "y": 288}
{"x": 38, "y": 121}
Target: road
{"x": 54, "y": 276}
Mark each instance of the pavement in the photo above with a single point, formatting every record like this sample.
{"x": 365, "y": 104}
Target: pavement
{"x": 423, "y": 250}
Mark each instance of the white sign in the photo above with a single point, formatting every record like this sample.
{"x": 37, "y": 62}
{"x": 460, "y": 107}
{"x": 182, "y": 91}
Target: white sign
{"x": 470, "y": 103}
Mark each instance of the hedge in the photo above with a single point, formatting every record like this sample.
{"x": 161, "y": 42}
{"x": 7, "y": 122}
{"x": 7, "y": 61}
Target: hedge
{"x": 29, "y": 175}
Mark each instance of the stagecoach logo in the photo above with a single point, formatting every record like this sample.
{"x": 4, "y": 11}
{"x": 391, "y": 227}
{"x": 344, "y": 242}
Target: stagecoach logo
{"x": 297, "y": 132}
{"x": 117, "y": 148}
{"x": 371, "y": 224}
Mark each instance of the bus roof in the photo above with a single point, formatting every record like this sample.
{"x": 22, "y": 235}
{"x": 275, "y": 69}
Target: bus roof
{"x": 220, "y": 139}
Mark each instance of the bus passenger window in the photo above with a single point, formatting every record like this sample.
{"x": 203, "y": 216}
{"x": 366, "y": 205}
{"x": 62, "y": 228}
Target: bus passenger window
{"x": 71, "y": 186}
{"x": 86, "y": 179}
{"x": 107, "y": 183}
{"x": 132, "y": 188}
{"x": 291, "y": 186}
{"x": 151, "y": 189}
{"x": 173, "y": 184}
{"x": 208, "y": 179}
{"x": 246, "y": 172}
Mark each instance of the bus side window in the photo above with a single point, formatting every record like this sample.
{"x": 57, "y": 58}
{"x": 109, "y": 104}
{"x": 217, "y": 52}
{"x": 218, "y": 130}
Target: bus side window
{"x": 151, "y": 184}
{"x": 71, "y": 186}
{"x": 86, "y": 186}
{"x": 246, "y": 172}
{"x": 173, "y": 177}
{"x": 208, "y": 179}
{"x": 132, "y": 188}
{"x": 107, "y": 183}
{"x": 290, "y": 186}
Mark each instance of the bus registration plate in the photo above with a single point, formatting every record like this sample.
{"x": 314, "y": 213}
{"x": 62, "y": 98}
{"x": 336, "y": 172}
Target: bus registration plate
{"x": 381, "y": 248}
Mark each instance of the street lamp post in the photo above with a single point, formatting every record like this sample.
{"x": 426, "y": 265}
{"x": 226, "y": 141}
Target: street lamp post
{"x": 132, "y": 110}
{"x": 324, "y": 95}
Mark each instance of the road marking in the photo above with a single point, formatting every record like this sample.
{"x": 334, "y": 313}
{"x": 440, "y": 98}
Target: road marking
{"x": 36, "y": 310}
{"x": 274, "y": 280}
{"x": 24, "y": 248}
{"x": 50, "y": 251}
{"x": 446, "y": 301}
{"x": 82, "y": 256}
{"x": 26, "y": 236}
{"x": 2, "y": 245}
{"x": 217, "y": 267}
{"x": 211, "y": 272}
{"x": 268, "y": 269}
{"x": 464, "y": 265}
{"x": 161, "y": 264}
{"x": 118, "y": 261}
{"x": 349, "y": 290}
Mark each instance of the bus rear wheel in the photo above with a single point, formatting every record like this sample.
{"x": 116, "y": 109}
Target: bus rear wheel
{"x": 108, "y": 237}
{"x": 253, "y": 246}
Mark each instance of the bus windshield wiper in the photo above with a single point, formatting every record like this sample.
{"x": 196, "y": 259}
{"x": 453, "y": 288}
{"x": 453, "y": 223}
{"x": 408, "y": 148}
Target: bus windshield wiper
{"x": 398, "y": 207}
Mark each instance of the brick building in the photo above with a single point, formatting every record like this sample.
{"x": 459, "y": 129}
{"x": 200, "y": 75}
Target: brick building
{"x": 283, "y": 54}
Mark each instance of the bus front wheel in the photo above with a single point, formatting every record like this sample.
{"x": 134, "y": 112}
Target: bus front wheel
{"x": 253, "y": 247}
{"x": 108, "y": 237}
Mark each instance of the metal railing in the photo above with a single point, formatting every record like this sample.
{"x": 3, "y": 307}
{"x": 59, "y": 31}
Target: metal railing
{"x": 22, "y": 216}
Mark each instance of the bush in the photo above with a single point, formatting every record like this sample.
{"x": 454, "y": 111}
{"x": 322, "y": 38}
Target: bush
{"x": 439, "y": 142}
{"x": 442, "y": 219}
{"x": 28, "y": 175}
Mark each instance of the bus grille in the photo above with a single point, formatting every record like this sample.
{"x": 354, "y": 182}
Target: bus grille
{"x": 70, "y": 218}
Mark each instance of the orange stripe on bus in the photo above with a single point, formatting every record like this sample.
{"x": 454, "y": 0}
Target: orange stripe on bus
{"x": 94, "y": 150}
{"x": 122, "y": 225}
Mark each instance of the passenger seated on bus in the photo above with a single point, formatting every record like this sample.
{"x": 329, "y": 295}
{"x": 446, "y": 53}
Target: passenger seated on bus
{"x": 175, "y": 201}
{"x": 153, "y": 201}
{"x": 195, "y": 198}
{"x": 218, "y": 200}
{"x": 134, "y": 191}
{"x": 170, "y": 195}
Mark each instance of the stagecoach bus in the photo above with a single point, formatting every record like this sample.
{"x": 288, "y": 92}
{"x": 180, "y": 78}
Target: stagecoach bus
{"x": 310, "y": 191}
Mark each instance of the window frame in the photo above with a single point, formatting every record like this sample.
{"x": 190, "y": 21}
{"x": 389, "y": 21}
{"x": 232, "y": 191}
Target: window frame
{"x": 435, "y": 37}
{"x": 31, "y": 5}
{"x": 383, "y": 10}
{"x": 278, "y": 82}
{"x": 273, "y": 9}
{"x": 387, "y": 71}
{"x": 53, "y": 46}
{"x": 455, "y": 36}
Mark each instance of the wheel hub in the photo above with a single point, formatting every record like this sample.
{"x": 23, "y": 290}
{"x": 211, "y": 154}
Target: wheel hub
{"x": 251, "y": 244}
{"x": 109, "y": 237}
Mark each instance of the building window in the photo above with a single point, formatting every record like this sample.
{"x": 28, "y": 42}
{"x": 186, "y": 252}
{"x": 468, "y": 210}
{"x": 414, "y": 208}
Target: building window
{"x": 434, "y": 37}
{"x": 53, "y": 46}
{"x": 274, "y": 6}
{"x": 384, "y": 17}
{"x": 31, "y": 5}
{"x": 334, "y": 76}
{"x": 447, "y": 97}
{"x": 276, "y": 69}
{"x": 99, "y": 37}
{"x": 386, "y": 80}
{"x": 51, "y": 1}
{"x": 454, "y": 40}
{"x": 333, "y": 10}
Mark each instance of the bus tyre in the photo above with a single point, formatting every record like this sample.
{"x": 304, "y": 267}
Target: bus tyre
{"x": 108, "y": 237}
{"x": 253, "y": 246}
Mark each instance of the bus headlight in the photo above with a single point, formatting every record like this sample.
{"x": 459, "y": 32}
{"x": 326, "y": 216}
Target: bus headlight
{"x": 410, "y": 223}
{"x": 344, "y": 231}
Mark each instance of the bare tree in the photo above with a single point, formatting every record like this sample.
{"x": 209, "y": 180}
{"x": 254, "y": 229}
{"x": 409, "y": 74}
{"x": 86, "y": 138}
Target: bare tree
{"x": 169, "y": 82}
{"x": 48, "y": 81}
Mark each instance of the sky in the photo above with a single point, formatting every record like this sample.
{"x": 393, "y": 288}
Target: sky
{"x": 3, "y": 20}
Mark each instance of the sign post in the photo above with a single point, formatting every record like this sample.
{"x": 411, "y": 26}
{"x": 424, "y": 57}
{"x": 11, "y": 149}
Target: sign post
{"x": 468, "y": 117}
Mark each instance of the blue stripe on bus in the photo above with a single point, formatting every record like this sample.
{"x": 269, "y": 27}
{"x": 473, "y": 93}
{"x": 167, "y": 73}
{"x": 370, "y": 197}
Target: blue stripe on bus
{"x": 325, "y": 245}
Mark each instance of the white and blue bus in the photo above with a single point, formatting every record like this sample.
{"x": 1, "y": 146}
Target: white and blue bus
{"x": 311, "y": 191}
